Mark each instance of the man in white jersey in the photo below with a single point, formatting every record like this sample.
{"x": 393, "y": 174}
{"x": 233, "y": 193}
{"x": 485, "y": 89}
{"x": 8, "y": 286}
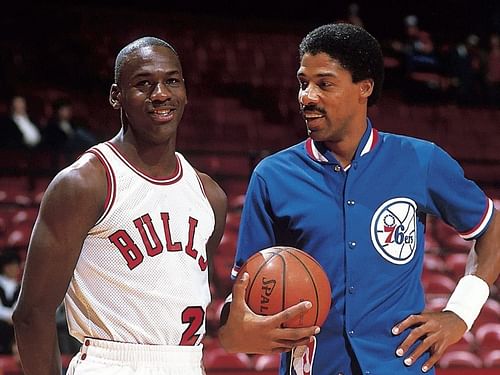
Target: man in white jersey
{"x": 123, "y": 236}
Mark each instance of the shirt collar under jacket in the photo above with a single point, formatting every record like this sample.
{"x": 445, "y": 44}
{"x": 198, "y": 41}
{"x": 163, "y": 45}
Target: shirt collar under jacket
{"x": 318, "y": 151}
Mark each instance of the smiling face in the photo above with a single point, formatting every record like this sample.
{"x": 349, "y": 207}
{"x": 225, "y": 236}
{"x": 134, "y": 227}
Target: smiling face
{"x": 151, "y": 94}
{"x": 333, "y": 106}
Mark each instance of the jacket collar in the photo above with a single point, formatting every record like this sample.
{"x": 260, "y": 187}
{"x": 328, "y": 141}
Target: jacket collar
{"x": 318, "y": 152}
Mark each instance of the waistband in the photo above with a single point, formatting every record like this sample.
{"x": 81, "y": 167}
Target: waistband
{"x": 139, "y": 354}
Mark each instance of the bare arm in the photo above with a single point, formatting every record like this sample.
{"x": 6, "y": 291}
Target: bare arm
{"x": 71, "y": 206}
{"x": 441, "y": 329}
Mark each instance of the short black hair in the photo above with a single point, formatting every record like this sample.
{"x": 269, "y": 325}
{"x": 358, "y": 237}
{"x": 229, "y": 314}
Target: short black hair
{"x": 8, "y": 257}
{"x": 146, "y": 41}
{"x": 353, "y": 47}
{"x": 60, "y": 103}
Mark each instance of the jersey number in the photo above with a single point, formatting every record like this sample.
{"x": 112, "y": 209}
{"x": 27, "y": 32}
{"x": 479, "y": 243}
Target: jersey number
{"x": 194, "y": 316}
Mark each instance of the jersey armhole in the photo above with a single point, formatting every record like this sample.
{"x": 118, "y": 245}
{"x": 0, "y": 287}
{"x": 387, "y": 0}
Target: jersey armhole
{"x": 202, "y": 188}
{"x": 111, "y": 183}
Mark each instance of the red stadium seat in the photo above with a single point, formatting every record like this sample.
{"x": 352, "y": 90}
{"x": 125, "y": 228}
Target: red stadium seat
{"x": 267, "y": 362}
{"x": 436, "y": 303}
{"x": 20, "y": 235}
{"x": 233, "y": 221}
{"x": 488, "y": 336}
{"x": 431, "y": 244}
{"x": 227, "y": 245}
{"x": 220, "y": 359}
{"x": 461, "y": 359}
{"x": 14, "y": 190}
{"x": 455, "y": 263}
{"x": 9, "y": 365}
{"x": 466, "y": 343}
{"x": 490, "y": 313}
{"x": 27, "y": 215}
{"x": 65, "y": 360}
{"x": 211, "y": 343}
{"x": 222, "y": 265}
{"x": 236, "y": 202}
{"x": 4, "y": 221}
{"x": 437, "y": 284}
{"x": 492, "y": 309}
{"x": 433, "y": 263}
{"x": 491, "y": 358}
{"x": 449, "y": 239}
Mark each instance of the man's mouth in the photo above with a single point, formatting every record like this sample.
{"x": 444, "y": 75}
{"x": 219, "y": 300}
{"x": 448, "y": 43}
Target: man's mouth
{"x": 312, "y": 116}
{"x": 162, "y": 114}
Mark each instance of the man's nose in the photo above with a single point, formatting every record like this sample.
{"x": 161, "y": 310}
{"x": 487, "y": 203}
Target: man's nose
{"x": 160, "y": 92}
{"x": 308, "y": 95}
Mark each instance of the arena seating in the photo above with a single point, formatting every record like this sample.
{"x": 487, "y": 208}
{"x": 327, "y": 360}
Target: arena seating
{"x": 236, "y": 115}
{"x": 460, "y": 359}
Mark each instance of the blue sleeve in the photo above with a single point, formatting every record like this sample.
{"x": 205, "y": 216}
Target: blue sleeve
{"x": 256, "y": 230}
{"x": 456, "y": 199}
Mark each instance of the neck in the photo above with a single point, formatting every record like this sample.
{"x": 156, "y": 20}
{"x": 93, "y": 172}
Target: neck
{"x": 344, "y": 148}
{"x": 158, "y": 160}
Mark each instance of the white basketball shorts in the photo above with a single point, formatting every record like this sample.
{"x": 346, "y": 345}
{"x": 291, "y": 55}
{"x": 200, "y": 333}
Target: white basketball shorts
{"x": 100, "y": 357}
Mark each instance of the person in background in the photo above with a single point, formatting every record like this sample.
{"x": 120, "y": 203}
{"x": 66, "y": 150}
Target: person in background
{"x": 493, "y": 71}
{"x": 18, "y": 130}
{"x": 63, "y": 135}
{"x": 10, "y": 267}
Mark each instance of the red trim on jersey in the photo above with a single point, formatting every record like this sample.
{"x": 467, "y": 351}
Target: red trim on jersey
{"x": 375, "y": 138}
{"x": 309, "y": 148}
{"x": 172, "y": 179}
{"x": 370, "y": 142}
{"x": 313, "y": 151}
{"x": 111, "y": 182}
{"x": 487, "y": 214}
{"x": 315, "y": 154}
{"x": 234, "y": 271}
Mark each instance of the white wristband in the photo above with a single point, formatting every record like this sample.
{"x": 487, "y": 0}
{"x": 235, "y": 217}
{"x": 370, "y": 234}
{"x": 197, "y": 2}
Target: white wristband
{"x": 468, "y": 298}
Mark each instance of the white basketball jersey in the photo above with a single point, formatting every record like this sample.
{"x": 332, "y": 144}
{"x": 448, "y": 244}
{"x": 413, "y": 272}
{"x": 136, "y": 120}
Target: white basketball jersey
{"x": 142, "y": 276}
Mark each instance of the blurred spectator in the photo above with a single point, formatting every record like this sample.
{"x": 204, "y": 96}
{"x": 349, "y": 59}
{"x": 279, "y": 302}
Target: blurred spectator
{"x": 63, "y": 135}
{"x": 493, "y": 71}
{"x": 422, "y": 66}
{"x": 353, "y": 15}
{"x": 10, "y": 267}
{"x": 17, "y": 128}
{"x": 467, "y": 70}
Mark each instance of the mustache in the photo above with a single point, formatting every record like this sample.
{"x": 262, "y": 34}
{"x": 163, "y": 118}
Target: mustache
{"x": 311, "y": 108}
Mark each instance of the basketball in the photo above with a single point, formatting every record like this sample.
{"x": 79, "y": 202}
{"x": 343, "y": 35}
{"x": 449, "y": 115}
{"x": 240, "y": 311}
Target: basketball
{"x": 281, "y": 277}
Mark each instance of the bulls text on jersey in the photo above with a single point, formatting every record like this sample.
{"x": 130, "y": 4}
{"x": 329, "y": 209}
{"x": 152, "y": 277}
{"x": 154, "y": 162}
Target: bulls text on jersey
{"x": 152, "y": 243}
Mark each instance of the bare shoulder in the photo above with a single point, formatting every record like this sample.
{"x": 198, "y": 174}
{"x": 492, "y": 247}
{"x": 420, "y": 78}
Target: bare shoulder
{"x": 80, "y": 185}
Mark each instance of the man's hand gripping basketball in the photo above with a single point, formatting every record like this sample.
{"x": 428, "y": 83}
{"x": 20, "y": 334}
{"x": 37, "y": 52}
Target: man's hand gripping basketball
{"x": 244, "y": 331}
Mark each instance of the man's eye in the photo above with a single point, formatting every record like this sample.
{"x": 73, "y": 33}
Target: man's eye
{"x": 173, "y": 82}
{"x": 303, "y": 85}
{"x": 324, "y": 84}
{"x": 143, "y": 84}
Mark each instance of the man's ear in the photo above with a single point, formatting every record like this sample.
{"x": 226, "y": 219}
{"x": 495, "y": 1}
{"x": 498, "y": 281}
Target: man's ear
{"x": 114, "y": 96}
{"x": 366, "y": 88}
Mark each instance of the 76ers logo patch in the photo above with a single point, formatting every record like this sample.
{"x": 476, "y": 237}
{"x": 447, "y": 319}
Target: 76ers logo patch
{"x": 394, "y": 230}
